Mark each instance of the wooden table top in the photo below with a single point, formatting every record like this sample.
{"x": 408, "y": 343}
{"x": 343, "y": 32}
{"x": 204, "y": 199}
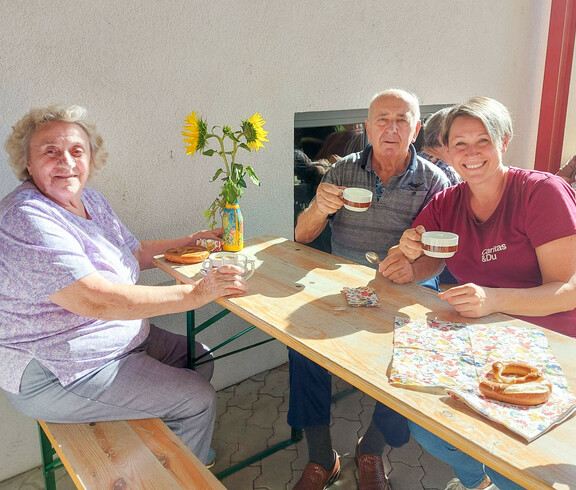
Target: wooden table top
{"x": 295, "y": 297}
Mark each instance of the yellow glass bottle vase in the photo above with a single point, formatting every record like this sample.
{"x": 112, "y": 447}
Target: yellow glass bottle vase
{"x": 233, "y": 225}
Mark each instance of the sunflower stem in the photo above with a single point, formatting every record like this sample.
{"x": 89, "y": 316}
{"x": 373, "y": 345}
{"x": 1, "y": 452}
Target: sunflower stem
{"x": 223, "y": 154}
{"x": 234, "y": 150}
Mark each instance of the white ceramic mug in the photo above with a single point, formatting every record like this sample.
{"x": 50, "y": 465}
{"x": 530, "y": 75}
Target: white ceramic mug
{"x": 439, "y": 244}
{"x": 357, "y": 199}
{"x": 228, "y": 258}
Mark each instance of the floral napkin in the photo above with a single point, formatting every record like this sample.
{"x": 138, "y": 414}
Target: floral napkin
{"x": 362, "y": 296}
{"x": 434, "y": 355}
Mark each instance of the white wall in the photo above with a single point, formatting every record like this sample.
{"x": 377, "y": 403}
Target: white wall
{"x": 139, "y": 67}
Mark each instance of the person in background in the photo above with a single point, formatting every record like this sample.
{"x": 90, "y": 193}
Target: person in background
{"x": 402, "y": 184}
{"x": 568, "y": 171}
{"x": 517, "y": 248}
{"x": 348, "y": 139}
{"x": 433, "y": 148}
{"x": 76, "y": 344}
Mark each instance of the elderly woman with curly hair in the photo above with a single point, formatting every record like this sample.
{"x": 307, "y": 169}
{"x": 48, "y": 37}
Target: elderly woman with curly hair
{"x": 76, "y": 344}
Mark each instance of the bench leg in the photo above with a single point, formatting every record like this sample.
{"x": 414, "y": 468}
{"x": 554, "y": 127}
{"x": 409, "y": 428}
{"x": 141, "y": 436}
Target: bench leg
{"x": 49, "y": 463}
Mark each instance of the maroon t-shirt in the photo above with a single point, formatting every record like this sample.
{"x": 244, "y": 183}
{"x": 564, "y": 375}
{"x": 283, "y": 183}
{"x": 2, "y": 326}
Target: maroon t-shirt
{"x": 536, "y": 208}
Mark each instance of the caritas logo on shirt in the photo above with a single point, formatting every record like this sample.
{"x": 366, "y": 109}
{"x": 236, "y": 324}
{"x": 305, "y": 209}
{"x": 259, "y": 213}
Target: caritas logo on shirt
{"x": 489, "y": 254}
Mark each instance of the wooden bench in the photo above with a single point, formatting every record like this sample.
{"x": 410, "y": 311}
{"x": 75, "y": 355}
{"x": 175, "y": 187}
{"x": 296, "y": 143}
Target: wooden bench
{"x": 131, "y": 454}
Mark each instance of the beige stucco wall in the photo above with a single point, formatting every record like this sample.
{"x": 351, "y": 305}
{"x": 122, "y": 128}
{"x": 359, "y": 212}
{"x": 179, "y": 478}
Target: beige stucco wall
{"x": 140, "y": 66}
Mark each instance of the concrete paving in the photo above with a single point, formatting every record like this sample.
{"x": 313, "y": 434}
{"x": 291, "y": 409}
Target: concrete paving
{"x": 252, "y": 416}
{"x": 253, "y": 413}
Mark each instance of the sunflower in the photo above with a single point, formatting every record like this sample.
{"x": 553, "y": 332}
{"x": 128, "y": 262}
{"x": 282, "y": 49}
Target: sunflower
{"x": 253, "y": 131}
{"x": 232, "y": 174}
{"x": 194, "y": 133}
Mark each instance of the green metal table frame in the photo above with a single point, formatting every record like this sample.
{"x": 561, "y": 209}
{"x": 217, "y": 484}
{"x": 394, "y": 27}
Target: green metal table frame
{"x": 192, "y": 330}
{"x": 50, "y": 461}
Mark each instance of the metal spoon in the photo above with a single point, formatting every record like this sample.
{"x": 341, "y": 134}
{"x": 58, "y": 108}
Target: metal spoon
{"x": 373, "y": 258}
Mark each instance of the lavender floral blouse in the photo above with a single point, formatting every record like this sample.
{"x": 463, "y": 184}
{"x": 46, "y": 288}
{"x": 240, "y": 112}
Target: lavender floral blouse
{"x": 44, "y": 249}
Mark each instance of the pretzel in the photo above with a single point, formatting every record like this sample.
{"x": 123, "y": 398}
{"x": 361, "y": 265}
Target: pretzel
{"x": 192, "y": 254}
{"x": 517, "y": 383}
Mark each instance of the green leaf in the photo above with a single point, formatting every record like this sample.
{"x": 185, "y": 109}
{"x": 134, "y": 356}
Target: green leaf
{"x": 208, "y": 153}
{"x": 231, "y": 191}
{"x": 242, "y": 183}
{"x": 237, "y": 172}
{"x": 216, "y": 208}
{"x": 210, "y": 214}
{"x": 218, "y": 172}
{"x": 253, "y": 177}
{"x": 245, "y": 146}
{"x": 230, "y": 195}
{"x": 227, "y": 190}
{"x": 233, "y": 137}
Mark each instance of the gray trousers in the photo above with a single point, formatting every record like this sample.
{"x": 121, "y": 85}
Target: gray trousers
{"x": 149, "y": 382}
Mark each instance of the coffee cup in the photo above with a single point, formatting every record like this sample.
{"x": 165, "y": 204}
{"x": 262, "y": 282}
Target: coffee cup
{"x": 227, "y": 258}
{"x": 357, "y": 199}
{"x": 439, "y": 244}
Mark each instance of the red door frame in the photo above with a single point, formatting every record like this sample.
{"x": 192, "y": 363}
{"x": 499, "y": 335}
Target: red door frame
{"x": 556, "y": 85}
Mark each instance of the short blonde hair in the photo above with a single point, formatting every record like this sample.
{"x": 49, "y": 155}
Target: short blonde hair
{"x": 18, "y": 143}
{"x": 494, "y": 115}
{"x": 432, "y": 129}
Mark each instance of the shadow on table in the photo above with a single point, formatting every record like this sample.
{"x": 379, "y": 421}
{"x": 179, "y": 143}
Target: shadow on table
{"x": 332, "y": 311}
{"x": 557, "y": 470}
{"x": 403, "y": 296}
{"x": 310, "y": 321}
{"x": 292, "y": 265}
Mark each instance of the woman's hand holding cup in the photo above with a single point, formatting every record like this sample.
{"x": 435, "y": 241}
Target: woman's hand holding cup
{"x": 219, "y": 259}
{"x": 225, "y": 280}
{"x": 438, "y": 244}
{"x": 411, "y": 242}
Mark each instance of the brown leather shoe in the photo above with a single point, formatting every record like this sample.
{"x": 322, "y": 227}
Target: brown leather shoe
{"x": 371, "y": 475}
{"x": 315, "y": 477}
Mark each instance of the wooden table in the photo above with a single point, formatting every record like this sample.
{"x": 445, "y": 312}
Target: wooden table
{"x": 295, "y": 297}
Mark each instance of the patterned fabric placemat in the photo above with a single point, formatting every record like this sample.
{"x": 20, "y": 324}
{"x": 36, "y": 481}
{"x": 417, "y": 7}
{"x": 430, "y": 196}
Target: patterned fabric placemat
{"x": 456, "y": 356}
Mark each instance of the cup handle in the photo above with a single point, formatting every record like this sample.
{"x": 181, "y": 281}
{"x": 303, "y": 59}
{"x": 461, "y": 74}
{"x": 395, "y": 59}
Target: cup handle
{"x": 251, "y": 266}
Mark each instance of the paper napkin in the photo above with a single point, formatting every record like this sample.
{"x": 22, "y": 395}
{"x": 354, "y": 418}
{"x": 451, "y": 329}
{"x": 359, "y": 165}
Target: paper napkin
{"x": 362, "y": 296}
{"x": 456, "y": 356}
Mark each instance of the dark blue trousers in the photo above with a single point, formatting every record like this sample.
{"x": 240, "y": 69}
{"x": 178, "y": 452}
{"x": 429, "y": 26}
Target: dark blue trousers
{"x": 310, "y": 400}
